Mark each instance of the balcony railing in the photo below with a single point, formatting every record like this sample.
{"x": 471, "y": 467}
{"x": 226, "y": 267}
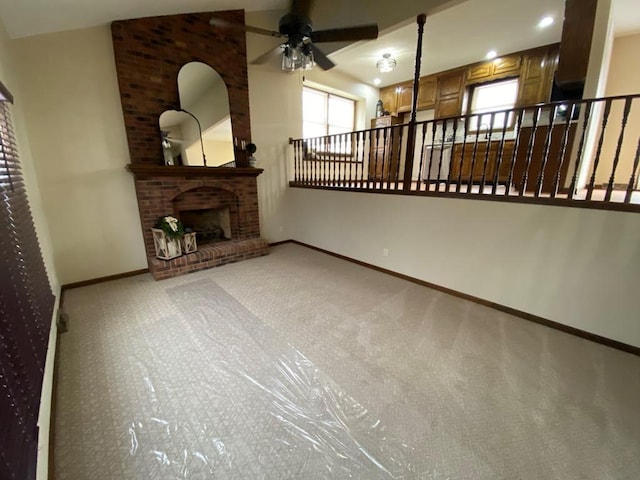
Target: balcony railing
{"x": 581, "y": 153}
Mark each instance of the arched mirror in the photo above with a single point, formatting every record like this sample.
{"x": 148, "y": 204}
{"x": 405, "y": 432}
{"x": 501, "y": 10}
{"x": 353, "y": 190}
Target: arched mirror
{"x": 202, "y": 128}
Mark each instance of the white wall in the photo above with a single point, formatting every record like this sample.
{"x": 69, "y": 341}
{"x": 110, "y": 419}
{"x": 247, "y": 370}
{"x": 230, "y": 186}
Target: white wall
{"x": 78, "y": 143}
{"x": 623, "y": 79}
{"x": 574, "y": 266}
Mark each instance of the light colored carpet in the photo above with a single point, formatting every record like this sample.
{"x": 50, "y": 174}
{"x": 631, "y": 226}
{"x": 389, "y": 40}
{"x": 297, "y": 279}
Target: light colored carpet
{"x": 299, "y": 365}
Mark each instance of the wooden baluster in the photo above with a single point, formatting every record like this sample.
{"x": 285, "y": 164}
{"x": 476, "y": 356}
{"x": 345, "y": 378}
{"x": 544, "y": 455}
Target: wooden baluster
{"x": 339, "y": 159}
{"x": 616, "y": 158}
{"x": 385, "y": 156}
{"x": 392, "y": 166}
{"x": 302, "y": 145}
{"x": 352, "y": 159}
{"x": 296, "y": 159}
{"x": 596, "y": 161}
{"x": 311, "y": 161}
{"x": 563, "y": 150}
{"x": 486, "y": 154}
{"x": 527, "y": 165}
{"x": 307, "y": 164}
{"x": 400, "y": 131}
{"x": 424, "y": 137}
{"x": 455, "y": 131}
{"x": 516, "y": 145}
{"x": 473, "y": 156}
{"x": 444, "y": 133}
{"x": 434, "y": 128}
{"x": 633, "y": 179}
{"x": 321, "y": 159}
{"x": 545, "y": 154}
{"x": 362, "y": 137}
{"x": 335, "y": 147}
{"x": 325, "y": 156}
{"x": 315, "y": 164}
{"x": 342, "y": 158}
{"x": 375, "y": 159}
{"x": 464, "y": 145}
{"x": 576, "y": 169}
{"x": 500, "y": 152}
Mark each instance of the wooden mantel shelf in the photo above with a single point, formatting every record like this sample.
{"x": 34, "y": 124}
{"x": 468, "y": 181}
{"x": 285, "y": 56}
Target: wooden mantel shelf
{"x": 143, "y": 169}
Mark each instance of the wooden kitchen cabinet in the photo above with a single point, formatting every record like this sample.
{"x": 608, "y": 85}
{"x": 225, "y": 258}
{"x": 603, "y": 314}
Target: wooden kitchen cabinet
{"x": 507, "y": 66}
{"x": 450, "y": 94}
{"x": 389, "y": 99}
{"x": 536, "y": 76}
{"x": 427, "y": 92}
{"x": 404, "y": 94}
{"x": 462, "y": 162}
{"x": 384, "y": 153}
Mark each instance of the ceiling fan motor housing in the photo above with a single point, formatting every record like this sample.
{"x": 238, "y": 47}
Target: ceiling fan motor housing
{"x": 296, "y": 27}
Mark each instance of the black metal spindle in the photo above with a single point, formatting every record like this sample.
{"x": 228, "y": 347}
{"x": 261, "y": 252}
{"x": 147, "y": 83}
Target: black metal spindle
{"x": 576, "y": 168}
{"x": 596, "y": 160}
{"x": 633, "y": 179}
{"x": 514, "y": 155}
{"x": 563, "y": 150}
{"x": 616, "y": 158}
{"x": 532, "y": 140}
{"x": 545, "y": 151}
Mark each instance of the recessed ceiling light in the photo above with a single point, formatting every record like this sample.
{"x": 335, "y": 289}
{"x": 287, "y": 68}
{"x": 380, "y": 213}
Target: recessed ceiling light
{"x": 377, "y": 81}
{"x": 491, "y": 54}
{"x": 545, "y": 22}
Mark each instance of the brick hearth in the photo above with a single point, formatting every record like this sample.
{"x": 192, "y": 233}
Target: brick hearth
{"x": 166, "y": 190}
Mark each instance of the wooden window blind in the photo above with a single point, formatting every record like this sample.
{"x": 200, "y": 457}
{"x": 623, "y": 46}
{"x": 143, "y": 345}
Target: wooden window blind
{"x": 26, "y": 309}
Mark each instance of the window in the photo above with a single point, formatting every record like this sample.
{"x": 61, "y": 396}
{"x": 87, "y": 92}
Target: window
{"x": 26, "y": 308}
{"x": 328, "y": 114}
{"x": 492, "y": 97}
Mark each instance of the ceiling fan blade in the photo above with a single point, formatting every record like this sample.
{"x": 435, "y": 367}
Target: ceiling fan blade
{"x": 266, "y": 57}
{"x": 361, "y": 32}
{"x": 217, "y": 22}
{"x": 264, "y": 31}
{"x": 301, "y": 7}
{"x": 321, "y": 59}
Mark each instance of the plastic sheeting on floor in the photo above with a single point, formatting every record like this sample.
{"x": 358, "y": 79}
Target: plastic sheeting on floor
{"x": 238, "y": 402}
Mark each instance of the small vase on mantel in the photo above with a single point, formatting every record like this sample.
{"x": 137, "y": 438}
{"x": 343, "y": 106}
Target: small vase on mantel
{"x": 166, "y": 248}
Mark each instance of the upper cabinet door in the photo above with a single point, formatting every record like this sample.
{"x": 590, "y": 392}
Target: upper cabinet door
{"x": 503, "y": 66}
{"x": 389, "y": 99}
{"x": 405, "y": 97}
{"x": 479, "y": 72}
{"x": 427, "y": 92}
{"x": 450, "y": 94}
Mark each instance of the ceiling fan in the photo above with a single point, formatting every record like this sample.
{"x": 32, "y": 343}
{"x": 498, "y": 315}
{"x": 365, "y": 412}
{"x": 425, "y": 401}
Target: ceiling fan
{"x": 298, "y": 50}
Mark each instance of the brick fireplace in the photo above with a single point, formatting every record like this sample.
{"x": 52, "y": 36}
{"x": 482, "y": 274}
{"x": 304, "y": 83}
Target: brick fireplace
{"x": 149, "y": 53}
{"x": 172, "y": 190}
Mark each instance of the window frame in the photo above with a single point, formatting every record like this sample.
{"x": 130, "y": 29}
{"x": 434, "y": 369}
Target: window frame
{"x": 329, "y": 153}
{"x": 510, "y": 120}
